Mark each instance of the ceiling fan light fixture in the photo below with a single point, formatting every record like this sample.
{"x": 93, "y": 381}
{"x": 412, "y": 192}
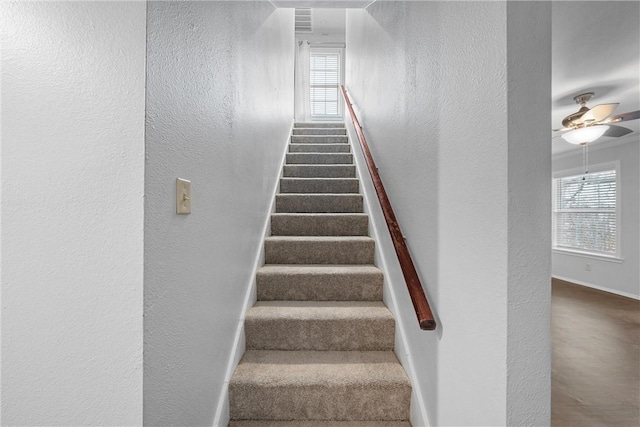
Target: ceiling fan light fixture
{"x": 585, "y": 135}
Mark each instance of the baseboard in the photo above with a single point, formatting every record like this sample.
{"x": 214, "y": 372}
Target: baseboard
{"x": 221, "y": 418}
{"x": 418, "y": 414}
{"x": 598, "y": 287}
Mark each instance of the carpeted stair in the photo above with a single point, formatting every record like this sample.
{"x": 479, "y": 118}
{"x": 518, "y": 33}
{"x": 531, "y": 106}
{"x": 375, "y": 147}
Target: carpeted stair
{"x": 319, "y": 340}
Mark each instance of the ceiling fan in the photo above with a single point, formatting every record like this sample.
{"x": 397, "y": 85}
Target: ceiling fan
{"x": 598, "y": 116}
{"x": 588, "y": 124}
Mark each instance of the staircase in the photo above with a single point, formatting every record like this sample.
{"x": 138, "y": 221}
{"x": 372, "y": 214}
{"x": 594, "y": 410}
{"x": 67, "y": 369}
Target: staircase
{"x": 319, "y": 341}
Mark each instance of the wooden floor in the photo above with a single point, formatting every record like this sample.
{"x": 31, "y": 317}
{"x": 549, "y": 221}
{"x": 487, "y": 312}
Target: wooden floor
{"x": 596, "y": 358}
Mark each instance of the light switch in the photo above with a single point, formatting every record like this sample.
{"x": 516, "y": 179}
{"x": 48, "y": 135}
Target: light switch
{"x": 183, "y": 196}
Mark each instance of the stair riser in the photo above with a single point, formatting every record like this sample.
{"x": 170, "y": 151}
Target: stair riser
{"x": 319, "y": 335}
{"x": 319, "y": 158}
{"x": 318, "y": 402}
{"x": 315, "y": 252}
{"x": 254, "y": 423}
{"x": 304, "y": 139}
{"x": 302, "y": 203}
{"x": 319, "y": 131}
{"x": 319, "y": 287}
{"x": 319, "y": 148}
{"x": 318, "y": 125}
{"x": 289, "y": 185}
{"x": 320, "y": 171}
{"x": 330, "y": 225}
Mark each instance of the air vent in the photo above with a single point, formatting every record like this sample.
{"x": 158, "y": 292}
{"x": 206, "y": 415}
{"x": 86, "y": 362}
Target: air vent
{"x": 304, "y": 21}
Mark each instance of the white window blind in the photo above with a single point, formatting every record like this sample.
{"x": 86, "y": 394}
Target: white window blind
{"x": 324, "y": 82}
{"x": 584, "y": 216}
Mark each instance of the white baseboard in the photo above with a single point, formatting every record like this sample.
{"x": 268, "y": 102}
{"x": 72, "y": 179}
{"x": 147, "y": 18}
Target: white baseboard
{"x": 598, "y": 287}
{"x": 221, "y": 418}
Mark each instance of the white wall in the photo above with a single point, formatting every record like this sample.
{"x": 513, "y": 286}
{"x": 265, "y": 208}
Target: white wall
{"x": 452, "y": 100}
{"x": 618, "y": 276}
{"x": 72, "y": 212}
{"x": 219, "y": 110}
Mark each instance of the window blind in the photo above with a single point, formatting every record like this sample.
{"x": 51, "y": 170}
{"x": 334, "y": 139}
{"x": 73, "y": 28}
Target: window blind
{"x": 324, "y": 82}
{"x": 584, "y": 216}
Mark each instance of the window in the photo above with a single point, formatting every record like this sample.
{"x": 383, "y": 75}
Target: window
{"x": 585, "y": 212}
{"x": 324, "y": 84}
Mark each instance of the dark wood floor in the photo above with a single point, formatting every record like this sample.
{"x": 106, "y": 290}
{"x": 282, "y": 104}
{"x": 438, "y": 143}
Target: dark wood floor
{"x": 596, "y": 358}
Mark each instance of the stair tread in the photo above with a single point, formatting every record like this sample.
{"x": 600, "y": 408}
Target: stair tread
{"x": 318, "y": 269}
{"x": 321, "y": 214}
{"x": 314, "y": 178}
{"x": 323, "y": 153}
{"x": 323, "y": 144}
{"x": 262, "y": 423}
{"x": 318, "y": 124}
{"x": 283, "y": 368}
{"x": 338, "y": 126}
{"x": 319, "y": 238}
{"x": 320, "y": 194}
{"x": 315, "y": 139}
{"x": 319, "y": 310}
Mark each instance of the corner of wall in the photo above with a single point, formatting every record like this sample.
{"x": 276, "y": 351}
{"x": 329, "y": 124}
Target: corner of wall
{"x": 238, "y": 348}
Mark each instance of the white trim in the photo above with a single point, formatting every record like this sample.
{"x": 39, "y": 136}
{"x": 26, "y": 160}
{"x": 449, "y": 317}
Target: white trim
{"x": 599, "y": 257}
{"x": 598, "y": 287}
{"x": 221, "y": 417}
{"x": 418, "y": 408}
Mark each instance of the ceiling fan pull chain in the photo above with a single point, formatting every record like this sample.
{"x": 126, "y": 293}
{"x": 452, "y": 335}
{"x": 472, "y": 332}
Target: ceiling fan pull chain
{"x": 585, "y": 158}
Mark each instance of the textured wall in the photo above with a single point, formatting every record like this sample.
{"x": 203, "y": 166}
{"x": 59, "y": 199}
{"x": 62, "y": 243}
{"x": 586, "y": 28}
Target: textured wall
{"x": 529, "y": 213}
{"x": 72, "y": 212}
{"x": 219, "y": 109}
{"x": 435, "y": 84}
{"x": 623, "y": 276}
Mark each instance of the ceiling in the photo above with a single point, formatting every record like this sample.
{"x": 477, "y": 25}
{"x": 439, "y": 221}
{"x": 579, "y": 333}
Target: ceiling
{"x": 595, "y": 48}
{"x": 322, "y": 4}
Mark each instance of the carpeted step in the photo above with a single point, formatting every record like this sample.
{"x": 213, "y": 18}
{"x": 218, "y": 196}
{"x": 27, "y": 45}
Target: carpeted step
{"x": 304, "y": 139}
{"x": 318, "y": 250}
{"x": 319, "y": 171}
{"x": 318, "y": 203}
{"x": 319, "y": 385}
{"x": 319, "y": 185}
{"x": 319, "y": 158}
{"x": 319, "y": 148}
{"x": 254, "y": 423}
{"x": 319, "y": 283}
{"x": 319, "y": 325}
{"x": 318, "y": 125}
{"x": 319, "y": 131}
{"x": 324, "y": 224}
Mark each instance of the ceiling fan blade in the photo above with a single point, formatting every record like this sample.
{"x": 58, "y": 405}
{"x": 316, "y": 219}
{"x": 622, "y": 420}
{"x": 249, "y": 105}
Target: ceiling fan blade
{"x": 632, "y": 115}
{"x": 562, "y": 129}
{"x": 617, "y": 131}
{"x": 599, "y": 112}
{"x": 574, "y": 119}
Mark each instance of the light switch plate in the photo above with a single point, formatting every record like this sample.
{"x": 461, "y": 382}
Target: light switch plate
{"x": 183, "y": 196}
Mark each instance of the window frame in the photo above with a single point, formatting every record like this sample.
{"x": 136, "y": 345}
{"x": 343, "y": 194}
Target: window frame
{"x": 340, "y": 104}
{"x": 566, "y": 173}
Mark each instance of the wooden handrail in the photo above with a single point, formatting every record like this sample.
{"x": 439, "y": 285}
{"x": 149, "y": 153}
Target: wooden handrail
{"x": 419, "y": 299}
